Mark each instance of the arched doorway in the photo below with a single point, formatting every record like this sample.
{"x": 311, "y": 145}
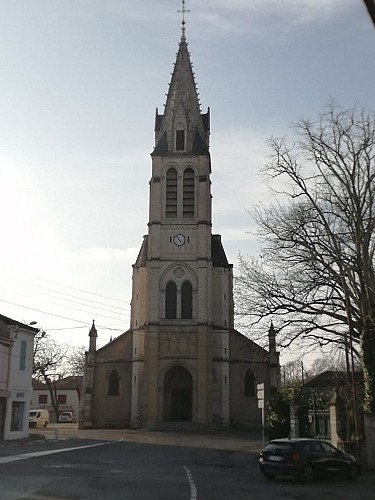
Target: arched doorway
{"x": 178, "y": 395}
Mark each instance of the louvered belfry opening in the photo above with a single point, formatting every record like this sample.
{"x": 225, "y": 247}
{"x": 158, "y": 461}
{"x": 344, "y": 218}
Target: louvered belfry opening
{"x": 188, "y": 193}
{"x": 171, "y": 194}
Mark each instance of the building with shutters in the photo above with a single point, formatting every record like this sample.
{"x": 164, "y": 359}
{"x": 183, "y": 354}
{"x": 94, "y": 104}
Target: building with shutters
{"x": 16, "y": 368}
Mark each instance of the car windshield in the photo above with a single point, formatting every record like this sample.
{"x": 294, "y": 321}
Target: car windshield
{"x": 329, "y": 449}
{"x": 66, "y": 414}
{"x": 33, "y": 414}
{"x": 277, "y": 446}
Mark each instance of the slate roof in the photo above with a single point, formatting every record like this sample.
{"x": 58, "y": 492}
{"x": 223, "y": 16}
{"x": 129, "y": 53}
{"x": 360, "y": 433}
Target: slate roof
{"x": 182, "y": 100}
{"x": 219, "y": 258}
{"x": 142, "y": 255}
{"x": 331, "y": 378}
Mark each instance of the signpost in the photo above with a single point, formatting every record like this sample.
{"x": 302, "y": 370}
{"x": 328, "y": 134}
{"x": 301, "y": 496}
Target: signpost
{"x": 260, "y": 396}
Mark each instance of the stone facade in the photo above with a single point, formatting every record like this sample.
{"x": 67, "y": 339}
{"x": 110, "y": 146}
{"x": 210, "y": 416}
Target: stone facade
{"x": 182, "y": 360}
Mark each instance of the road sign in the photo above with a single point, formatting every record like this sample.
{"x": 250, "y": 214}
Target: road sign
{"x": 261, "y": 404}
{"x": 260, "y": 396}
{"x": 260, "y": 391}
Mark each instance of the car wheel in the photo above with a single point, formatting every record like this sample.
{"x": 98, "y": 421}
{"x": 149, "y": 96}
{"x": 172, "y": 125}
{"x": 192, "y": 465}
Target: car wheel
{"x": 307, "y": 474}
{"x": 45, "y": 424}
{"x": 353, "y": 473}
{"x": 269, "y": 476}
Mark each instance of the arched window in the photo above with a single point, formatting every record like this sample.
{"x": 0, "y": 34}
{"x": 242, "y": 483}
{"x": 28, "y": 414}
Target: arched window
{"x": 249, "y": 384}
{"x": 171, "y": 300}
{"x": 188, "y": 193}
{"x": 186, "y": 300}
{"x": 113, "y": 383}
{"x": 171, "y": 194}
{"x": 180, "y": 140}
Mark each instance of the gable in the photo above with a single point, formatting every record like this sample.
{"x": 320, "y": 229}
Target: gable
{"x": 241, "y": 348}
{"x": 119, "y": 348}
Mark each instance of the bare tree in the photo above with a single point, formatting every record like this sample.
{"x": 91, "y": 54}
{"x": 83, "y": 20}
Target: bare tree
{"x": 316, "y": 277}
{"x": 327, "y": 363}
{"x": 292, "y": 372}
{"x": 48, "y": 361}
{"x": 75, "y": 366}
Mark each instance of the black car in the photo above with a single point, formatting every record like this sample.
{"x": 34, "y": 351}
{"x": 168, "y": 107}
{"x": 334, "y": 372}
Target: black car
{"x": 306, "y": 459}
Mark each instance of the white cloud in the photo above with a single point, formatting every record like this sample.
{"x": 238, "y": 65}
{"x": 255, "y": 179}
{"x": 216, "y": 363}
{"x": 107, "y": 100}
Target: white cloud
{"x": 286, "y": 7}
{"x": 238, "y": 157}
{"x": 106, "y": 254}
{"x": 245, "y": 15}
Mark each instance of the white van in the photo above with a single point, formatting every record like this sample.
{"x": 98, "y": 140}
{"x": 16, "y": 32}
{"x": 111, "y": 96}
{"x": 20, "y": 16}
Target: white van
{"x": 38, "y": 418}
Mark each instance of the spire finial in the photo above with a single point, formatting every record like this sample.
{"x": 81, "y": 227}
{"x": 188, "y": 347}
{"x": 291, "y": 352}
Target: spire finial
{"x": 183, "y": 11}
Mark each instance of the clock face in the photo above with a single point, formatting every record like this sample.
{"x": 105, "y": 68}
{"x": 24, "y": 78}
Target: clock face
{"x": 179, "y": 239}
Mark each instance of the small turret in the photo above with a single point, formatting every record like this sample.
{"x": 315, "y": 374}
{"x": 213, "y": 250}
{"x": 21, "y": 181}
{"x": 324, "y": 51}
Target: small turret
{"x": 274, "y": 360}
{"x": 272, "y": 339}
{"x": 93, "y": 335}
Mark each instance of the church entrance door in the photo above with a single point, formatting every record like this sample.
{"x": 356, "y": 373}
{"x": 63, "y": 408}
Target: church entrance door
{"x": 178, "y": 390}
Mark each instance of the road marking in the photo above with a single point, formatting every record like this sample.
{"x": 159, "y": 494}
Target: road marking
{"x": 193, "y": 488}
{"x": 26, "y": 456}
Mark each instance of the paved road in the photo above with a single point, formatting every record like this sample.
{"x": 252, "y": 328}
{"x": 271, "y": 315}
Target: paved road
{"x": 225, "y": 440}
{"x": 140, "y": 465}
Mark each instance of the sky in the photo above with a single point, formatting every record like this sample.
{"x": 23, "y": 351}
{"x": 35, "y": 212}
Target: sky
{"x": 79, "y": 84}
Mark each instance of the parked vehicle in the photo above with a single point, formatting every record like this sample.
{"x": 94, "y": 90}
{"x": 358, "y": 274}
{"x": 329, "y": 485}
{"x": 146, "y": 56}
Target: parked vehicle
{"x": 67, "y": 416}
{"x": 38, "y": 418}
{"x": 306, "y": 459}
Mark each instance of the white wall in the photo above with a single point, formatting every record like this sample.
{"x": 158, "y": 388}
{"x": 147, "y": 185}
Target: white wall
{"x": 72, "y": 401}
{"x": 20, "y": 376}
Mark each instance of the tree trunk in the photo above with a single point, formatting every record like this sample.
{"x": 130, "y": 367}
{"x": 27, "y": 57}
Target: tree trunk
{"x": 368, "y": 347}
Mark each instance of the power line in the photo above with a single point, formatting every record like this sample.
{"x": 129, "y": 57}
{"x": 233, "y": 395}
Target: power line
{"x": 38, "y": 287}
{"x": 87, "y": 325}
{"x": 72, "y": 288}
{"x": 35, "y": 289}
{"x": 72, "y": 308}
{"x": 44, "y": 312}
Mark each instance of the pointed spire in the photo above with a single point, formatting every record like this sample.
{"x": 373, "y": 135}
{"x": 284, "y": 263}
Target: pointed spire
{"x": 93, "y": 335}
{"x": 272, "y": 339}
{"x": 182, "y": 128}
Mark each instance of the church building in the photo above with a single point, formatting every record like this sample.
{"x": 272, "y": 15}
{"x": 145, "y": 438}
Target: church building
{"x": 181, "y": 361}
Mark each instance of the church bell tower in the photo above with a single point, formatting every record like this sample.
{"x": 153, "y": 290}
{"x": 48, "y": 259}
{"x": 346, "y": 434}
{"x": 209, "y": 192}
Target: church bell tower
{"x": 182, "y": 297}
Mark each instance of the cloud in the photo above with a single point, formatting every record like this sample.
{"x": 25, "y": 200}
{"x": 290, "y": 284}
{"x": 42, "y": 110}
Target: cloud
{"x": 286, "y": 7}
{"x": 239, "y": 155}
{"x": 106, "y": 254}
{"x": 226, "y": 17}
{"x": 243, "y": 15}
